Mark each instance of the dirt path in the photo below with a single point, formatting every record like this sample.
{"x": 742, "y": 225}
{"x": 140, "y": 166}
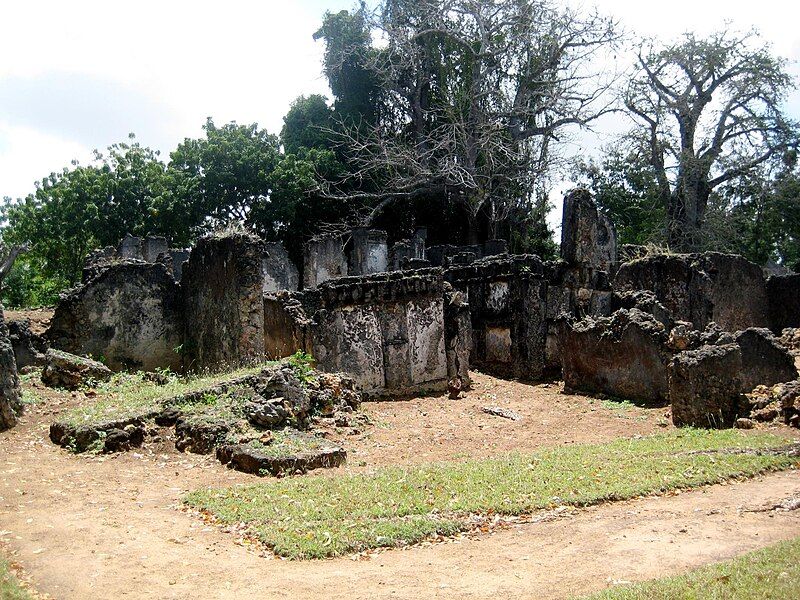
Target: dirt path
{"x": 111, "y": 526}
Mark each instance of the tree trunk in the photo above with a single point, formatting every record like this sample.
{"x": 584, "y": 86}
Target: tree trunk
{"x": 686, "y": 212}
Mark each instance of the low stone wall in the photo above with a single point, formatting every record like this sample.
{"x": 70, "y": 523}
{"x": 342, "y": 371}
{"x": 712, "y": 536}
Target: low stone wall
{"x": 223, "y": 285}
{"x": 130, "y": 316}
{"x": 386, "y": 330}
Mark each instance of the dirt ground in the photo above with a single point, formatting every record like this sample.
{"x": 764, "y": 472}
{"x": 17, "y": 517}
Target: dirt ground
{"x": 40, "y": 318}
{"x": 112, "y": 526}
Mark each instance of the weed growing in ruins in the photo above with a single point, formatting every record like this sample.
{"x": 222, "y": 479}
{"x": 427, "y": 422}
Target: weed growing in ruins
{"x": 773, "y": 572}
{"x": 317, "y": 517}
{"x": 303, "y": 365}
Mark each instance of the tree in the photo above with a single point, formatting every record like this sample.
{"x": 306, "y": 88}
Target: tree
{"x": 348, "y": 48}
{"x": 710, "y": 110}
{"x": 307, "y": 125}
{"x": 473, "y": 97}
{"x": 77, "y": 210}
{"x": 625, "y": 187}
{"x": 227, "y": 173}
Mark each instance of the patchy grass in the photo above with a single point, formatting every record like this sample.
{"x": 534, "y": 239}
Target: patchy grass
{"x": 10, "y": 588}
{"x": 771, "y": 573}
{"x": 129, "y": 395}
{"x": 320, "y": 517}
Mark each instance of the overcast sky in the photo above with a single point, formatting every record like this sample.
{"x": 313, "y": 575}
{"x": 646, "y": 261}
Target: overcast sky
{"x": 81, "y": 74}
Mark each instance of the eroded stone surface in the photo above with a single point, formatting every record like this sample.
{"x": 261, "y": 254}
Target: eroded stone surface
{"x": 622, "y": 356}
{"x": 65, "y": 370}
{"x": 130, "y": 314}
{"x": 10, "y": 396}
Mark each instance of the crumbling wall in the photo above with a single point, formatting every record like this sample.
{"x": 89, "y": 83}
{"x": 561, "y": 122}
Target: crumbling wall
{"x": 151, "y": 249}
{"x": 10, "y": 396}
{"x": 223, "y": 286}
{"x": 701, "y": 288}
{"x": 588, "y": 237}
{"x": 369, "y": 252}
{"x": 385, "y": 330}
{"x": 279, "y": 272}
{"x": 129, "y": 316}
{"x": 507, "y": 298}
{"x": 623, "y": 356}
{"x": 324, "y": 259}
{"x": 447, "y": 254}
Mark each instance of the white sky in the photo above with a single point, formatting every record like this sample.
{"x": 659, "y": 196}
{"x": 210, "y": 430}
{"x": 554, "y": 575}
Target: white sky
{"x": 81, "y": 74}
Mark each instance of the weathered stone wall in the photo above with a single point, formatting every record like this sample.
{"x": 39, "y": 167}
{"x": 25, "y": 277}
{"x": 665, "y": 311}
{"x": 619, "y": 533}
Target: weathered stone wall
{"x": 447, "y": 254}
{"x": 323, "y": 259}
{"x": 507, "y": 298}
{"x": 457, "y": 337}
{"x": 10, "y": 396}
{"x": 279, "y": 272}
{"x": 588, "y": 237}
{"x": 29, "y": 347}
{"x": 129, "y": 316}
{"x": 622, "y": 356}
{"x": 701, "y": 288}
{"x": 369, "y": 252}
{"x": 151, "y": 249}
{"x": 223, "y": 285}
{"x": 387, "y": 330}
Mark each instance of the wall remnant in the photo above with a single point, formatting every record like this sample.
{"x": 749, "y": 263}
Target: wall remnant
{"x": 386, "y": 330}
{"x": 10, "y": 395}
{"x": 624, "y": 356}
{"x": 324, "y": 259}
{"x": 369, "y": 251}
{"x": 223, "y": 285}
{"x": 130, "y": 314}
{"x": 588, "y": 237}
{"x": 783, "y": 293}
{"x": 701, "y": 288}
{"x": 279, "y": 272}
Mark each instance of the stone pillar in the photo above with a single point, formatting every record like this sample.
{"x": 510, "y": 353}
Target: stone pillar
{"x": 323, "y": 259}
{"x": 10, "y": 396}
{"x": 588, "y": 237}
{"x": 457, "y": 336}
{"x": 370, "y": 252}
{"x": 223, "y": 285}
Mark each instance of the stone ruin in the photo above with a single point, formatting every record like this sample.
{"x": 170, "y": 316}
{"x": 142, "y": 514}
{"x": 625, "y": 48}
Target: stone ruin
{"x": 658, "y": 329}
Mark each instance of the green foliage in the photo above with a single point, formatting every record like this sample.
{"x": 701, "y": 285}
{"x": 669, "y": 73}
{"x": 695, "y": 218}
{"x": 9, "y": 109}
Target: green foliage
{"x": 624, "y": 186}
{"x": 348, "y": 45}
{"x": 322, "y": 516}
{"x": 227, "y": 173}
{"x": 769, "y": 574}
{"x": 307, "y": 125}
{"x": 303, "y": 365}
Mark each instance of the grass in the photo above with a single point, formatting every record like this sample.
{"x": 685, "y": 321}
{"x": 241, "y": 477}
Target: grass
{"x": 10, "y": 588}
{"x": 132, "y": 395}
{"x": 771, "y": 573}
{"x": 318, "y": 517}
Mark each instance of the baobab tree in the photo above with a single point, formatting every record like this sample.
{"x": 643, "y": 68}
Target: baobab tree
{"x": 708, "y": 112}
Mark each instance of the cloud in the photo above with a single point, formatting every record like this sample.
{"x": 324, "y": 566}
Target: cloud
{"x": 85, "y": 109}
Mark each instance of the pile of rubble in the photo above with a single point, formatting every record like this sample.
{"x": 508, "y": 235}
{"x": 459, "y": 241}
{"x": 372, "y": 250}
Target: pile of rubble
{"x": 267, "y": 423}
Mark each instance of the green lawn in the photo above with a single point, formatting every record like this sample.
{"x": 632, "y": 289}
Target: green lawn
{"x": 772, "y": 573}
{"x": 317, "y": 517}
{"x": 9, "y": 586}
